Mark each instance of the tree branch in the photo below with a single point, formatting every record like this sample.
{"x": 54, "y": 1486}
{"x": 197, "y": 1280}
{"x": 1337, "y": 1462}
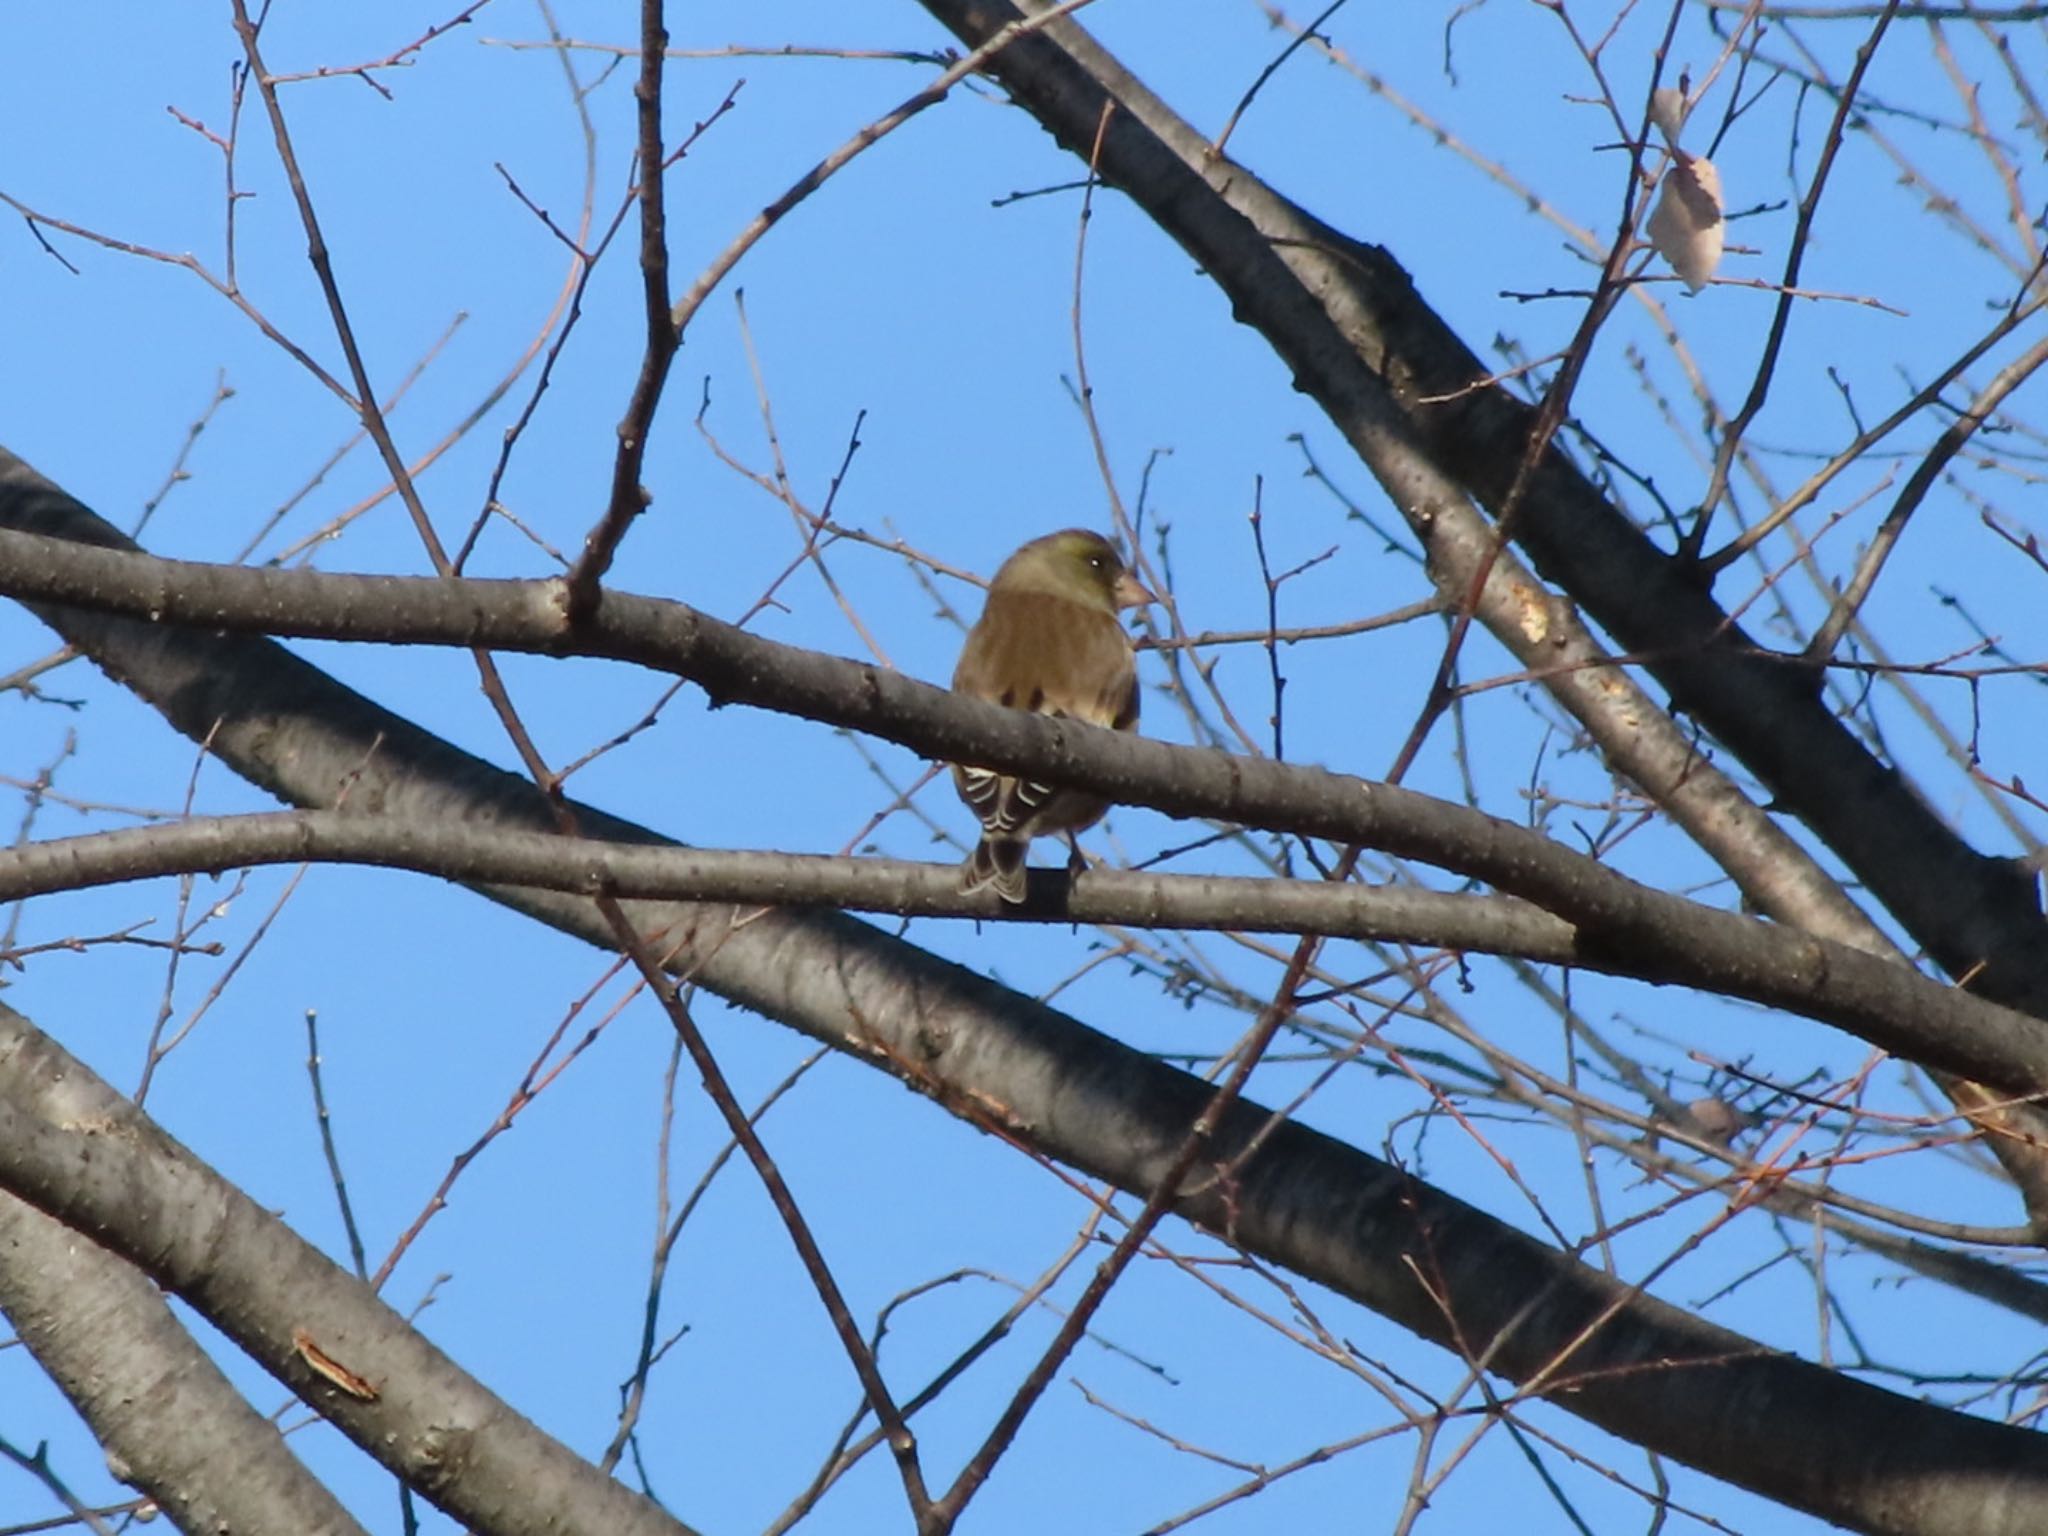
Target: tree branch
{"x": 171, "y": 1423}
{"x": 73, "y": 1147}
{"x": 1834, "y": 985}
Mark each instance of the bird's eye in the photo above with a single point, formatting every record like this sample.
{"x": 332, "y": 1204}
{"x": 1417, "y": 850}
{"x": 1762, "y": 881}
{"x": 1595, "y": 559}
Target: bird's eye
{"x": 1096, "y": 561}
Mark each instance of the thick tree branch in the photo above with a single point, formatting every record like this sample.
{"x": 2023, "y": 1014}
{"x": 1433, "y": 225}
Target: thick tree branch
{"x": 73, "y": 1147}
{"x": 171, "y": 1423}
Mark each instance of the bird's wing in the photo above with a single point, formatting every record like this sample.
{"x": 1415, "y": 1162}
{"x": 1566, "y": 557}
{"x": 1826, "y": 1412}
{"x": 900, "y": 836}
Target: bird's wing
{"x": 1043, "y": 653}
{"x": 1055, "y": 657}
{"x": 1096, "y": 675}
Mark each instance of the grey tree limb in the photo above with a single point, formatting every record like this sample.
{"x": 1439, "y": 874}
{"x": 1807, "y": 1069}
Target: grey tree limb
{"x": 73, "y": 1147}
{"x": 171, "y": 1424}
{"x": 1841, "y": 988}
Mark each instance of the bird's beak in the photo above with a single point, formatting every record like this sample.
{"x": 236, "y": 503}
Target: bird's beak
{"x": 1131, "y": 593}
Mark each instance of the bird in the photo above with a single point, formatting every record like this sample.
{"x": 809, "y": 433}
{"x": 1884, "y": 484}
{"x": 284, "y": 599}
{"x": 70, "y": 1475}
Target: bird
{"x": 1048, "y": 641}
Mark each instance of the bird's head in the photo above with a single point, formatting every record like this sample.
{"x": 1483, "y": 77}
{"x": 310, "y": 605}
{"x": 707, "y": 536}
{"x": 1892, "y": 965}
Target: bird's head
{"x": 1077, "y": 564}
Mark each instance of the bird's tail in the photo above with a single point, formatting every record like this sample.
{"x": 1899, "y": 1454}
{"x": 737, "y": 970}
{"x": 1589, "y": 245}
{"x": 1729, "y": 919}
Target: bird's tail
{"x": 996, "y": 862}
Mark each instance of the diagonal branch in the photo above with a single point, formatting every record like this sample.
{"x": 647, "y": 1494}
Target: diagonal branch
{"x": 74, "y": 1147}
{"x": 171, "y": 1422}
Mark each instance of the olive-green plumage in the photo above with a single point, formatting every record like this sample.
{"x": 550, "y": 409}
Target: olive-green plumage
{"x": 1048, "y": 640}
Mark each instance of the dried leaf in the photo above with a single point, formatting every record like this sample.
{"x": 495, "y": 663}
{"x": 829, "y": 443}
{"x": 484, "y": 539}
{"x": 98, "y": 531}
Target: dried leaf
{"x": 1716, "y": 1119}
{"x": 1686, "y": 225}
{"x": 1668, "y": 111}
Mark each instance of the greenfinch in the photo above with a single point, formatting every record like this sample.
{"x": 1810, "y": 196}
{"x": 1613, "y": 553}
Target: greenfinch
{"x": 1048, "y": 641}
